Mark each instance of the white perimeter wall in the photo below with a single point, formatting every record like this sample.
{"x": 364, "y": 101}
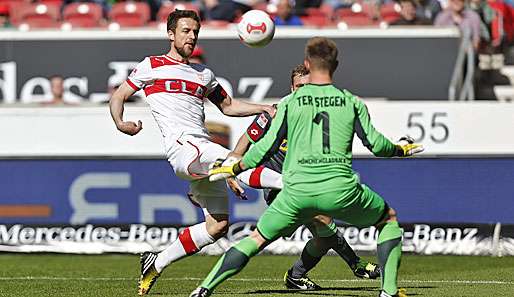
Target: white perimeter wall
{"x": 477, "y": 128}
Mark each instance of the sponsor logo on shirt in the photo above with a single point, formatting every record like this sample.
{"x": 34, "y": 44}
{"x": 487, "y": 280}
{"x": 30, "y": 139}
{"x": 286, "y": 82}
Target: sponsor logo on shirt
{"x": 262, "y": 121}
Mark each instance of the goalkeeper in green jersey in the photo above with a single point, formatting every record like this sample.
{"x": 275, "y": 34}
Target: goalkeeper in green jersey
{"x": 319, "y": 121}
{"x": 268, "y": 176}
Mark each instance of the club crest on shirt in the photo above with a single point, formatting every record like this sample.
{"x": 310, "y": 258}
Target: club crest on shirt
{"x": 262, "y": 121}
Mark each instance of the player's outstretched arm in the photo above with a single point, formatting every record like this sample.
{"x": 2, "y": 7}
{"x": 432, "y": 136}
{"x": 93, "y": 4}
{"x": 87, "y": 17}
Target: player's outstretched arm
{"x": 238, "y": 108}
{"x": 373, "y": 140}
{"x": 116, "y": 107}
{"x": 377, "y": 143}
{"x": 242, "y": 145}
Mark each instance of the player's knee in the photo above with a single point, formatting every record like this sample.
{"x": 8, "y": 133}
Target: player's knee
{"x": 217, "y": 225}
{"x": 389, "y": 216}
{"x": 259, "y": 239}
{"x": 218, "y": 229}
{"x": 321, "y": 221}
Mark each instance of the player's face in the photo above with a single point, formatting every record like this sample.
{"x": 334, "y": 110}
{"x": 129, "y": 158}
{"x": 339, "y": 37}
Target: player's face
{"x": 299, "y": 81}
{"x": 185, "y": 36}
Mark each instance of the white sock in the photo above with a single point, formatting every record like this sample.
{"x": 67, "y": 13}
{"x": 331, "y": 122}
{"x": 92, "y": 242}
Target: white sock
{"x": 191, "y": 240}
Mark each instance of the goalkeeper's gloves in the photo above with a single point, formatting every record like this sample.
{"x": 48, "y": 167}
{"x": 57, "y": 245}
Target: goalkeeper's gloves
{"x": 222, "y": 169}
{"x": 406, "y": 147}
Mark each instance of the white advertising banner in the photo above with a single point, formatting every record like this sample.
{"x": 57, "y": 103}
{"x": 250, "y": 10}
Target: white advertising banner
{"x": 445, "y": 128}
{"x": 425, "y": 239}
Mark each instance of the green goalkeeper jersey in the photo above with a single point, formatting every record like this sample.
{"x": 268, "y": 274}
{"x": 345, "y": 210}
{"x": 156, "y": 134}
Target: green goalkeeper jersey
{"x": 319, "y": 122}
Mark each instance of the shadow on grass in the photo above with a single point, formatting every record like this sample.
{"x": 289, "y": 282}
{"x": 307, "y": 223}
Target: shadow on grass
{"x": 327, "y": 291}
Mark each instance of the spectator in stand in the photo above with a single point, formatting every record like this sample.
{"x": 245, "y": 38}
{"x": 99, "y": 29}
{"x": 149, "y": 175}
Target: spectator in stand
{"x": 487, "y": 15}
{"x": 285, "y": 15}
{"x": 458, "y": 15}
{"x": 428, "y": 9}
{"x": 302, "y": 5}
{"x": 408, "y": 16}
{"x": 4, "y": 16}
{"x": 57, "y": 90}
{"x": 228, "y": 10}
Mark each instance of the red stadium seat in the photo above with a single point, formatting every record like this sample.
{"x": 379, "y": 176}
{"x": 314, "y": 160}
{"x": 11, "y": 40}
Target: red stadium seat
{"x": 358, "y": 8}
{"x": 130, "y": 14}
{"x": 316, "y": 21}
{"x": 217, "y": 24}
{"x": 37, "y": 15}
{"x": 51, "y": 2}
{"x": 390, "y": 12}
{"x": 324, "y": 10}
{"x": 270, "y": 9}
{"x": 84, "y": 15}
{"x": 342, "y": 12}
{"x": 358, "y": 20}
{"x": 168, "y": 7}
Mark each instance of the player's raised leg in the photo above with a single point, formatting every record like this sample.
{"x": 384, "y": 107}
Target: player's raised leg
{"x": 192, "y": 160}
{"x": 213, "y": 199}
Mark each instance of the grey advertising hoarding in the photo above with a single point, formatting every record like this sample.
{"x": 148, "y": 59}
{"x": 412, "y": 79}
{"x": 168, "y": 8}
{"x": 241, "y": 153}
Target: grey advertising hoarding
{"x": 382, "y": 65}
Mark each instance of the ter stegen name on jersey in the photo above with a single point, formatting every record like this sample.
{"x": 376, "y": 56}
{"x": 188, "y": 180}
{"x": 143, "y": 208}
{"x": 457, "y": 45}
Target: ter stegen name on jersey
{"x": 327, "y": 101}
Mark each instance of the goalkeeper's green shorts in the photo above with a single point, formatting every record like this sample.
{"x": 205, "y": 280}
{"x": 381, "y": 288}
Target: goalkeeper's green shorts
{"x": 361, "y": 207}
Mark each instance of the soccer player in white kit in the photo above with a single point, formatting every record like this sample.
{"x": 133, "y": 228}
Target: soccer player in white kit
{"x": 175, "y": 91}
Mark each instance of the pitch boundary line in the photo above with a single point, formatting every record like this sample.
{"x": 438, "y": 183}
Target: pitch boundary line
{"x": 466, "y": 282}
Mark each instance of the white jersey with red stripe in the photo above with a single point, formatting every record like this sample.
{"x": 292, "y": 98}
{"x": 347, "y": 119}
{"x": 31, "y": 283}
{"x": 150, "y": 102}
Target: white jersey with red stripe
{"x": 176, "y": 92}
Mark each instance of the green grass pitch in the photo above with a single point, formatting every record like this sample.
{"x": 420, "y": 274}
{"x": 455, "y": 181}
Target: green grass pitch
{"x": 116, "y": 276}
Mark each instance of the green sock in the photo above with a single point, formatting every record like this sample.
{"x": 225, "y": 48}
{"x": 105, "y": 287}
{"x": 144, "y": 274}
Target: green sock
{"x": 231, "y": 263}
{"x": 389, "y": 252}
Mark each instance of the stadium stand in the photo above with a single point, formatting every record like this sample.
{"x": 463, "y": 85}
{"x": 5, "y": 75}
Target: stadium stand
{"x": 130, "y": 14}
{"x": 36, "y": 15}
{"x": 167, "y": 7}
{"x": 215, "y": 24}
{"x": 350, "y": 18}
{"x": 316, "y": 20}
{"x": 390, "y": 12}
{"x": 83, "y": 15}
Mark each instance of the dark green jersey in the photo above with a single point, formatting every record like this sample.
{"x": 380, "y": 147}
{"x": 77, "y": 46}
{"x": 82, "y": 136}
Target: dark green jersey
{"x": 319, "y": 122}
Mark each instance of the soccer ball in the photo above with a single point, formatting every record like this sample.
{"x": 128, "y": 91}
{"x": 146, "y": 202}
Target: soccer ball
{"x": 256, "y": 28}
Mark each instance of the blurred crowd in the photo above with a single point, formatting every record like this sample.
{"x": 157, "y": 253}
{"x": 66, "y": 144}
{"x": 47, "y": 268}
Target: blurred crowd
{"x": 490, "y": 22}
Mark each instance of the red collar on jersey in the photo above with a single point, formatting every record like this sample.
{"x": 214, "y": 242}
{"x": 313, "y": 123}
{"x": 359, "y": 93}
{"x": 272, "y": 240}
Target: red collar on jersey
{"x": 175, "y": 60}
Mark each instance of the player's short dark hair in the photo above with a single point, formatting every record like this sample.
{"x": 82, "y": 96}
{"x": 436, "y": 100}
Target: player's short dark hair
{"x": 321, "y": 53}
{"x": 176, "y": 15}
{"x": 299, "y": 70}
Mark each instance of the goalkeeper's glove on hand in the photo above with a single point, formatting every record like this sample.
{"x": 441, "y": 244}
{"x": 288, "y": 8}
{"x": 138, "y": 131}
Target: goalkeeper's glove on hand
{"x": 223, "y": 169}
{"x": 406, "y": 147}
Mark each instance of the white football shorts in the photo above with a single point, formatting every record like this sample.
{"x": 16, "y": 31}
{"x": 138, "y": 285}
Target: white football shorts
{"x": 191, "y": 162}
